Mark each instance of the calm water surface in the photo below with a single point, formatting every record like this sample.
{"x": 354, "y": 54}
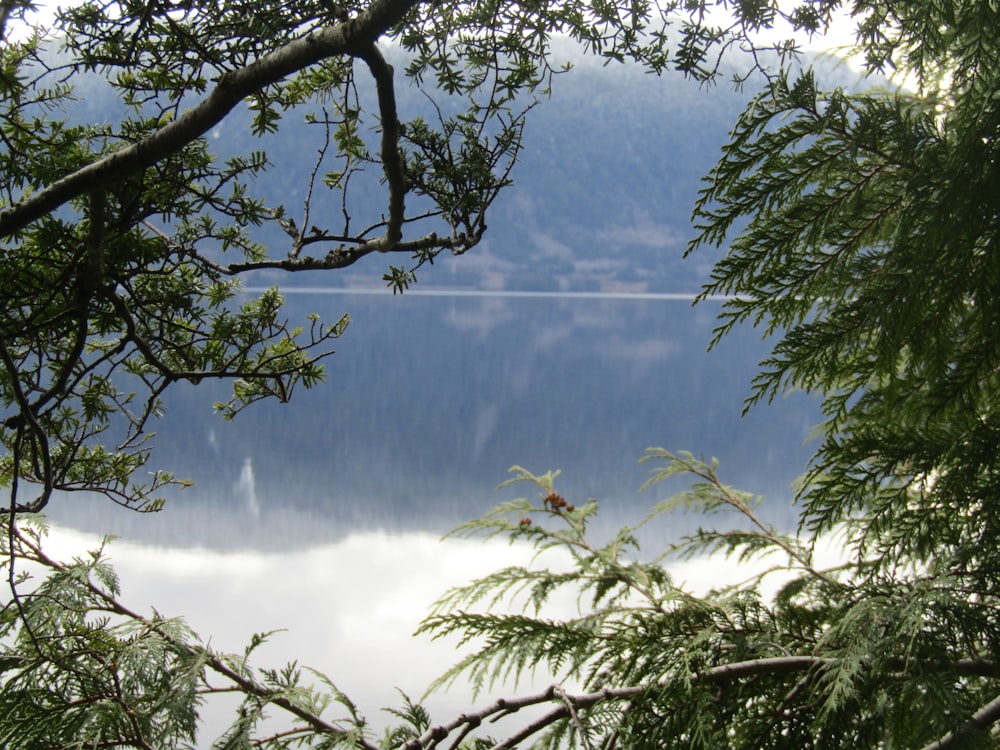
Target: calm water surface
{"x": 430, "y": 399}
{"x": 324, "y": 516}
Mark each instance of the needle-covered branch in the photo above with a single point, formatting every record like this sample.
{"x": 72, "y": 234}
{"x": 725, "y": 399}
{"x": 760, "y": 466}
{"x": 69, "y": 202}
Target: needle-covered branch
{"x": 773, "y": 658}
{"x": 692, "y": 670}
{"x": 859, "y": 228}
{"x": 158, "y": 666}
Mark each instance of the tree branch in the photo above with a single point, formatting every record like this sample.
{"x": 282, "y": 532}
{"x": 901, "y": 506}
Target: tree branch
{"x": 38, "y": 437}
{"x": 774, "y": 666}
{"x": 391, "y": 162}
{"x": 981, "y": 720}
{"x": 245, "y": 684}
{"x": 345, "y": 255}
{"x": 352, "y": 37}
{"x": 778, "y": 665}
{"x": 6, "y": 9}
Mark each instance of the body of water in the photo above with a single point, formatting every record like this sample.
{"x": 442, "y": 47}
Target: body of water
{"x": 431, "y": 398}
{"x": 322, "y": 517}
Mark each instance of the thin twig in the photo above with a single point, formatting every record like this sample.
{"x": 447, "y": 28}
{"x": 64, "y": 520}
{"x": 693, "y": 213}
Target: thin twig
{"x": 12, "y": 537}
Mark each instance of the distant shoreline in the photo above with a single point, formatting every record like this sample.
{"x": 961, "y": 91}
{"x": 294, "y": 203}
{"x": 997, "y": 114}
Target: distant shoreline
{"x": 508, "y": 293}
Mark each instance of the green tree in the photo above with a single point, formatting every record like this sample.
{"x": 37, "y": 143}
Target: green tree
{"x": 125, "y": 239}
{"x": 859, "y": 230}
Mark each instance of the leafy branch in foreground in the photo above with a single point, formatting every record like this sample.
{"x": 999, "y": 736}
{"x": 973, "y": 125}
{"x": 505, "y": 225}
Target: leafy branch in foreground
{"x": 794, "y": 656}
{"x": 860, "y": 229}
{"x": 835, "y": 658}
{"x": 79, "y": 669}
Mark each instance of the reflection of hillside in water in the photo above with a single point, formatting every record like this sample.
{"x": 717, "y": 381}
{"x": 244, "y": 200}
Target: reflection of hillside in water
{"x": 430, "y": 399}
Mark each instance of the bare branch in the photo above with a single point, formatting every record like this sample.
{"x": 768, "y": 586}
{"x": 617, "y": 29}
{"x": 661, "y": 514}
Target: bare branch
{"x": 391, "y": 162}
{"x": 38, "y": 437}
{"x": 345, "y": 255}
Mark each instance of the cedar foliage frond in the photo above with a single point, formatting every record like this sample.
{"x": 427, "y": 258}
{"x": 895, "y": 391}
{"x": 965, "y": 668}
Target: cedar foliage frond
{"x": 861, "y": 235}
{"x": 79, "y": 669}
{"x": 845, "y": 656}
{"x": 858, "y": 236}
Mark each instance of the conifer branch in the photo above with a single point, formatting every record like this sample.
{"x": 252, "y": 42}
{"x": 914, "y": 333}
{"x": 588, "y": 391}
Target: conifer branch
{"x": 243, "y": 683}
{"x": 980, "y": 721}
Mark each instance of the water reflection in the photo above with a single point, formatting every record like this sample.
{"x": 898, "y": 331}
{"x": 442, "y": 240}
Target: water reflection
{"x": 431, "y": 398}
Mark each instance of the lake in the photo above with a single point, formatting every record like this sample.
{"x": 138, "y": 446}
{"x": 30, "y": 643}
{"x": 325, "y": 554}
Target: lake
{"x": 431, "y": 398}
{"x": 323, "y": 516}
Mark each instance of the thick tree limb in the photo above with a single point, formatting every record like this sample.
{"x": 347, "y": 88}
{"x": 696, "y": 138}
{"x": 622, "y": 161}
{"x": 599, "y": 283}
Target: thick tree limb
{"x": 391, "y": 163}
{"x": 781, "y": 665}
{"x": 6, "y": 8}
{"x": 982, "y": 719}
{"x": 354, "y": 37}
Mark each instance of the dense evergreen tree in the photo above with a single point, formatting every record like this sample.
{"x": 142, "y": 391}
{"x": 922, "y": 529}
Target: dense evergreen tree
{"x": 860, "y": 230}
{"x": 859, "y": 227}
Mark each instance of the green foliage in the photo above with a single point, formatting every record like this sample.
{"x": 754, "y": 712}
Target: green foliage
{"x": 835, "y": 657}
{"x": 860, "y": 233}
{"x": 860, "y": 230}
{"x": 81, "y": 670}
{"x": 125, "y": 239}
{"x": 794, "y": 655}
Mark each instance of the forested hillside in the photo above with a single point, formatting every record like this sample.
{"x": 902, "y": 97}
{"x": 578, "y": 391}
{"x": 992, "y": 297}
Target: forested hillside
{"x": 601, "y": 198}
